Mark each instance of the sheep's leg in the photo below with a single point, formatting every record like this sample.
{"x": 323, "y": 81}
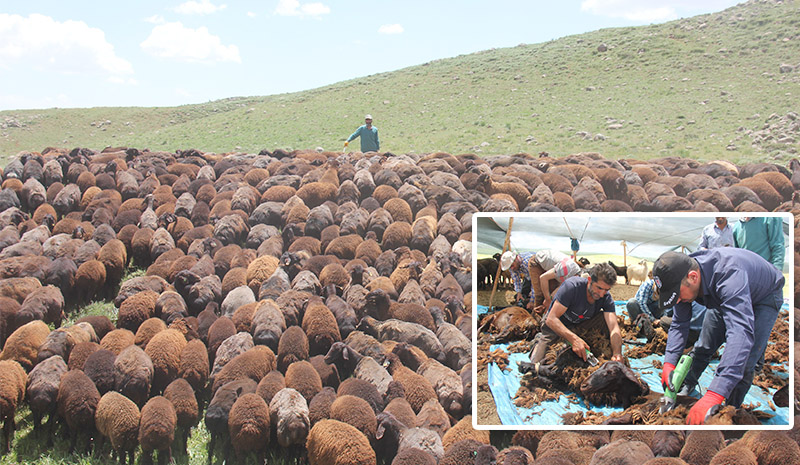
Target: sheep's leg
{"x": 73, "y": 439}
{"x": 8, "y": 429}
{"x": 99, "y": 447}
{"x": 211, "y": 447}
{"x": 186, "y": 431}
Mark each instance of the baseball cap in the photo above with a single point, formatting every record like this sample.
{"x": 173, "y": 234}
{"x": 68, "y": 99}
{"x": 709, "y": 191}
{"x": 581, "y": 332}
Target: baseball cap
{"x": 668, "y": 272}
{"x": 507, "y": 259}
{"x": 368, "y": 117}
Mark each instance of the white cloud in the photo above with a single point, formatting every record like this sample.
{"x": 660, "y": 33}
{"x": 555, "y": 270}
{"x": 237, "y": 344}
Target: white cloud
{"x": 250, "y": 14}
{"x": 203, "y": 7}
{"x": 294, "y": 8}
{"x": 123, "y": 81}
{"x": 652, "y": 11}
{"x": 391, "y": 29}
{"x": 70, "y": 47}
{"x": 155, "y": 19}
{"x": 174, "y": 41}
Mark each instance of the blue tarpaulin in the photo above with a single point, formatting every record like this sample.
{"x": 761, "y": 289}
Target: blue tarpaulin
{"x": 504, "y": 385}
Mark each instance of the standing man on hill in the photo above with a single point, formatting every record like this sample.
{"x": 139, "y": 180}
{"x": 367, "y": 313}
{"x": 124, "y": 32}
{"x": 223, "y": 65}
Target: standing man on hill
{"x": 368, "y": 134}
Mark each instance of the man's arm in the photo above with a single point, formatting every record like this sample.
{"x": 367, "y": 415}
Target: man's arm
{"x": 703, "y": 241}
{"x": 377, "y": 140}
{"x": 579, "y": 346}
{"x": 775, "y": 240}
{"x": 355, "y": 134}
{"x": 616, "y": 335}
{"x": 544, "y": 282}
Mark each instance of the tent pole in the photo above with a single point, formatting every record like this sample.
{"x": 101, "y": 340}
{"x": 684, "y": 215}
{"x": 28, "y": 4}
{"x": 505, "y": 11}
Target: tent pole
{"x": 624, "y": 253}
{"x": 497, "y": 275}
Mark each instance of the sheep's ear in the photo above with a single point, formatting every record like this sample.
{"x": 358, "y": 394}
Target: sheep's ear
{"x": 379, "y": 432}
{"x": 345, "y": 354}
{"x": 239, "y": 391}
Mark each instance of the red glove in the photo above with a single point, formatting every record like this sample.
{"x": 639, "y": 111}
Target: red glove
{"x": 665, "y": 375}
{"x": 697, "y": 415}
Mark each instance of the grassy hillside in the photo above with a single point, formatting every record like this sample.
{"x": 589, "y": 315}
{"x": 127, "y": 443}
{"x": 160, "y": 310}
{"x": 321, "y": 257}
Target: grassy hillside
{"x": 707, "y": 87}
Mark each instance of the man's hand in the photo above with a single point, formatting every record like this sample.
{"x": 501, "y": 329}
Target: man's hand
{"x": 546, "y": 303}
{"x": 579, "y": 346}
{"x": 697, "y": 415}
{"x": 666, "y": 377}
{"x": 530, "y": 306}
{"x": 346, "y": 143}
{"x": 539, "y": 309}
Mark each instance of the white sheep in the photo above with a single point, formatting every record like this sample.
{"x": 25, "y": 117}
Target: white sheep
{"x": 638, "y": 272}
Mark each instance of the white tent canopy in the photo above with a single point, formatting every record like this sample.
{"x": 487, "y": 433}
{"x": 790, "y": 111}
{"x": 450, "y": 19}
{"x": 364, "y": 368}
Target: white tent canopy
{"x": 646, "y": 235}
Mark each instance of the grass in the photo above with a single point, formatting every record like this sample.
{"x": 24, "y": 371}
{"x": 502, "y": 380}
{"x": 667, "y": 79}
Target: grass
{"x": 692, "y": 87}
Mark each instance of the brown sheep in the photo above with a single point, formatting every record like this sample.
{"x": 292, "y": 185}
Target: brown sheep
{"x": 344, "y": 247}
{"x": 357, "y": 412}
{"x": 182, "y": 396}
{"x": 45, "y": 303}
{"x": 314, "y": 194}
{"x": 418, "y": 389}
{"x": 133, "y": 374}
{"x": 270, "y": 385}
{"x": 77, "y": 403}
{"x": 320, "y": 327}
{"x": 517, "y": 191}
{"x": 331, "y": 442}
{"x": 18, "y": 288}
{"x": 23, "y": 344}
{"x": 249, "y": 425}
{"x": 292, "y": 347}
{"x": 253, "y": 364}
{"x": 117, "y": 418}
{"x": 164, "y": 349}
{"x": 157, "y": 428}
{"x": 13, "y": 381}
{"x": 136, "y": 309}
{"x": 398, "y": 234}
{"x": 335, "y": 274}
{"x": 89, "y": 279}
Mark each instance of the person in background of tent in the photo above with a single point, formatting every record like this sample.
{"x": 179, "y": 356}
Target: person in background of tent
{"x": 762, "y": 235}
{"x": 717, "y": 234}
{"x": 543, "y": 261}
{"x": 562, "y": 270}
{"x": 743, "y": 294}
{"x": 645, "y": 301}
{"x": 368, "y": 134}
{"x": 580, "y": 304}
{"x": 517, "y": 265}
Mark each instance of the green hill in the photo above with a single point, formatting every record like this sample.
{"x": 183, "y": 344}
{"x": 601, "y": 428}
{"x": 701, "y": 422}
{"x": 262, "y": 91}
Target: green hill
{"x": 722, "y": 85}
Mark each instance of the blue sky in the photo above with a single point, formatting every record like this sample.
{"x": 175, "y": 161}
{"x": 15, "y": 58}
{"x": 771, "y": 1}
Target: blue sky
{"x": 165, "y": 53}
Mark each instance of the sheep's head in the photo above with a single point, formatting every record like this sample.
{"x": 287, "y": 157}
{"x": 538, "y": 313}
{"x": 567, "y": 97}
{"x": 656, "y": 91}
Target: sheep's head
{"x": 378, "y": 302}
{"x": 293, "y": 430}
{"x": 389, "y": 427}
{"x": 49, "y": 221}
{"x": 336, "y": 353}
{"x": 166, "y": 219}
{"x": 367, "y": 325}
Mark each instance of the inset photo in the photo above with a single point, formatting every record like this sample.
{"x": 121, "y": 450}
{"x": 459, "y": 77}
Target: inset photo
{"x": 630, "y": 321}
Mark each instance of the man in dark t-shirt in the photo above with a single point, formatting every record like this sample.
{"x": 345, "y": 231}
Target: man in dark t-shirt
{"x": 579, "y": 303}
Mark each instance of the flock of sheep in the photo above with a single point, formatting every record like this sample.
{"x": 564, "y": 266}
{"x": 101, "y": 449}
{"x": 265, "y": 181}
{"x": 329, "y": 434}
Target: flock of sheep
{"x": 318, "y": 304}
